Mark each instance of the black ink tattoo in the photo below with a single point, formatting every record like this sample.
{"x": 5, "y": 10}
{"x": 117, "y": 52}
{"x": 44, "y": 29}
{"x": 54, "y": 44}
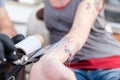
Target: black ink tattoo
{"x": 88, "y": 6}
{"x": 68, "y": 51}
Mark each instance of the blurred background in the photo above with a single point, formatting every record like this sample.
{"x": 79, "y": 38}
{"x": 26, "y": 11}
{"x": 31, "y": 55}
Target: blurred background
{"x": 19, "y": 12}
{"x": 23, "y": 15}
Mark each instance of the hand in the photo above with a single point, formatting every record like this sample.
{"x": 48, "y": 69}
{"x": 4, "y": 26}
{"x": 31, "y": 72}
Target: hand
{"x": 50, "y": 68}
{"x": 7, "y": 48}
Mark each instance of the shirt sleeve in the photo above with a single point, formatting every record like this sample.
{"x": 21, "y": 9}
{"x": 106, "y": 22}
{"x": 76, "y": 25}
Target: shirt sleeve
{"x": 1, "y": 3}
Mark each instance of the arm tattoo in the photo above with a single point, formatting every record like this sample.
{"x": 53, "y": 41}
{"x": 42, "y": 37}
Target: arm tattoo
{"x": 68, "y": 51}
{"x": 96, "y": 4}
{"x": 88, "y": 6}
{"x": 69, "y": 46}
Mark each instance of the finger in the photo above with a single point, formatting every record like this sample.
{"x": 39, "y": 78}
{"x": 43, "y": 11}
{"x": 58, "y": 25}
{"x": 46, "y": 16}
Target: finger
{"x": 18, "y": 38}
{"x": 8, "y": 43}
{"x": 2, "y": 56}
{"x": 11, "y": 57}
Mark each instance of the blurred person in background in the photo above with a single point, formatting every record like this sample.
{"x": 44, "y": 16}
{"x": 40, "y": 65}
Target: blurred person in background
{"x": 6, "y": 44}
{"x": 77, "y": 29}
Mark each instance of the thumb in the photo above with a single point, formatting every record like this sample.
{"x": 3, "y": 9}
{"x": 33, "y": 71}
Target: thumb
{"x": 8, "y": 43}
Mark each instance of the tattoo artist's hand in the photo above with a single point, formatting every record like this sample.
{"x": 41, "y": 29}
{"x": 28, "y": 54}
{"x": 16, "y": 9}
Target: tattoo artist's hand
{"x": 7, "y": 48}
{"x": 49, "y": 67}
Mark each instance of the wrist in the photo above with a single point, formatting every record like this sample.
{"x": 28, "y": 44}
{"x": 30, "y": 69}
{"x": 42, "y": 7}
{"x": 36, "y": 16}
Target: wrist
{"x": 72, "y": 45}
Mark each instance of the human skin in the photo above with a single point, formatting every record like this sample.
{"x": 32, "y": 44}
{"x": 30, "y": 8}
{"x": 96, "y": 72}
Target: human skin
{"x": 50, "y": 66}
{"x": 6, "y": 26}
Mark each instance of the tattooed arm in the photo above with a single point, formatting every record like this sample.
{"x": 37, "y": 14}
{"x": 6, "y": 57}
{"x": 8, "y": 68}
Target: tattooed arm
{"x": 85, "y": 16}
{"x": 50, "y": 66}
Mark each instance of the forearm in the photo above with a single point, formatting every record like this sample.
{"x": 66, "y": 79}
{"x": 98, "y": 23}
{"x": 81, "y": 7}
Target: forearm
{"x": 6, "y": 26}
{"x": 86, "y": 14}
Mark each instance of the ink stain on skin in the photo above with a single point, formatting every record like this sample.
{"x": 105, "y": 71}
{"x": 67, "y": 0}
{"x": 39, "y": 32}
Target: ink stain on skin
{"x": 88, "y": 6}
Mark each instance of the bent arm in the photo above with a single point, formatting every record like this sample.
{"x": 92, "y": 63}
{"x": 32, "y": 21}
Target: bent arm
{"x": 71, "y": 43}
{"x": 50, "y": 66}
{"x": 86, "y": 14}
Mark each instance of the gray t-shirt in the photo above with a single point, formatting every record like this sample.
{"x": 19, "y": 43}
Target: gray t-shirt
{"x": 99, "y": 44}
{"x": 1, "y": 3}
